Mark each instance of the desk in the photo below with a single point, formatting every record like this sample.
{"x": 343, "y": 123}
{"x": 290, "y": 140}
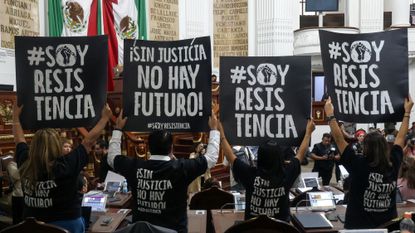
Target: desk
{"x": 117, "y": 222}
{"x": 120, "y": 200}
{"x": 225, "y": 219}
{"x": 196, "y": 221}
{"x": 341, "y": 210}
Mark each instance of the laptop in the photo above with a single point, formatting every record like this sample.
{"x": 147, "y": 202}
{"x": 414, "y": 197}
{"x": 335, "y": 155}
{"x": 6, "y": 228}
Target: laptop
{"x": 321, "y": 201}
{"x": 365, "y": 230}
{"x": 97, "y": 201}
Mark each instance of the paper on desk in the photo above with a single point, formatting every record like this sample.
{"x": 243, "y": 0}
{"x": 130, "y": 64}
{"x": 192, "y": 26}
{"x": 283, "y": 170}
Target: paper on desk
{"x": 411, "y": 200}
{"x": 112, "y": 176}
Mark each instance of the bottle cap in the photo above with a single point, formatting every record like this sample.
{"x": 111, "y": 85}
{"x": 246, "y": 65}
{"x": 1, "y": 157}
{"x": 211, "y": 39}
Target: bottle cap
{"x": 407, "y": 215}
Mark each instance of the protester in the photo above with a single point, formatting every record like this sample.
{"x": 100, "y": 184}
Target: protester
{"x": 160, "y": 183}
{"x": 100, "y": 154}
{"x": 196, "y": 185}
{"x": 372, "y": 195}
{"x": 271, "y": 177}
{"x": 324, "y": 154}
{"x": 358, "y": 145}
{"x": 406, "y": 181}
{"x": 48, "y": 178}
{"x": 17, "y": 193}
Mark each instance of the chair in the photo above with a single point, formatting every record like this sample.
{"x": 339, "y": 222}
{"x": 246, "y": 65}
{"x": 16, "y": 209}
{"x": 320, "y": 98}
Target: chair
{"x": 262, "y": 224}
{"x": 33, "y": 226}
{"x": 212, "y": 198}
{"x": 144, "y": 227}
{"x": 299, "y": 200}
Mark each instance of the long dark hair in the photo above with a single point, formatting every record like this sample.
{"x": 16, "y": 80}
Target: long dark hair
{"x": 376, "y": 150}
{"x": 407, "y": 171}
{"x": 271, "y": 159}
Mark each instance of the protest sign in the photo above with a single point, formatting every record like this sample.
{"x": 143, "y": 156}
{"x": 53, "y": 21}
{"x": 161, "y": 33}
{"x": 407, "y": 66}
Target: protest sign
{"x": 366, "y": 74}
{"x": 263, "y": 98}
{"x": 61, "y": 81}
{"x": 167, "y": 85}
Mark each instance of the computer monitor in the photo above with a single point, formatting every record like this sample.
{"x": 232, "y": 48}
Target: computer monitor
{"x": 321, "y": 201}
{"x": 310, "y": 182}
{"x": 96, "y": 201}
{"x": 321, "y": 5}
{"x": 112, "y": 186}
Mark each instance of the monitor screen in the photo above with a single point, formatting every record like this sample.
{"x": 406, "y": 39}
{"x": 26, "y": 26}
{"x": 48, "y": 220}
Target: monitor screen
{"x": 321, "y": 5}
{"x": 321, "y": 200}
{"x": 310, "y": 182}
{"x": 97, "y": 202}
{"x": 112, "y": 186}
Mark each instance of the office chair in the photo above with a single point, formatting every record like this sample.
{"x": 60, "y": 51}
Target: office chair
{"x": 262, "y": 224}
{"x": 212, "y": 198}
{"x": 33, "y": 226}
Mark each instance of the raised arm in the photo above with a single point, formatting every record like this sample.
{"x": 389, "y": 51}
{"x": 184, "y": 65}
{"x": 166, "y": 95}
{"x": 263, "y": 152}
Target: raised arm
{"x": 403, "y": 130}
{"x": 227, "y": 149}
{"x": 306, "y": 140}
{"x": 334, "y": 127}
{"x": 114, "y": 147}
{"x": 17, "y": 127}
{"x": 93, "y": 135}
{"x": 212, "y": 150}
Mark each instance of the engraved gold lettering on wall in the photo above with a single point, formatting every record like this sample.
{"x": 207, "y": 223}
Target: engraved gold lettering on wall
{"x": 18, "y": 17}
{"x": 230, "y": 28}
{"x": 164, "y": 19}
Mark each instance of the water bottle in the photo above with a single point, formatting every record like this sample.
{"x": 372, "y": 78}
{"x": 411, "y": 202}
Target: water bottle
{"x": 407, "y": 225}
{"x": 124, "y": 187}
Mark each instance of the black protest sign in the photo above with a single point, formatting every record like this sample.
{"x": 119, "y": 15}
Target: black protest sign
{"x": 61, "y": 81}
{"x": 167, "y": 85}
{"x": 265, "y": 98}
{"x": 366, "y": 74}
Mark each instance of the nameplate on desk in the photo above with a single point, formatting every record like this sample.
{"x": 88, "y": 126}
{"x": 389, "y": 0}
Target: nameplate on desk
{"x": 312, "y": 220}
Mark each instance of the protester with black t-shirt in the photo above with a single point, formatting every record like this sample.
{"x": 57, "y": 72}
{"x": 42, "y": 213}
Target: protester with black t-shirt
{"x": 373, "y": 175}
{"x": 49, "y": 179}
{"x": 268, "y": 185}
{"x": 160, "y": 184}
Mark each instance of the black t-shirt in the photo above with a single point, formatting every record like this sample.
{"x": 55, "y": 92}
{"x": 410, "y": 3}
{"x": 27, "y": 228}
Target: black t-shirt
{"x": 372, "y": 195}
{"x": 267, "y": 193}
{"x": 104, "y": 168}
{"x": 320, "y": 150}
{"x": 160, "y": 188}
{"x": 54, "y": 199}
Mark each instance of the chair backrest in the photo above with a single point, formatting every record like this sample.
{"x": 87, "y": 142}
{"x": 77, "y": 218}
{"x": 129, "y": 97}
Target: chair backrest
{"x": 212, "y": 198}
{"x": 262, "y": 224}
{"x": 300, "y": 200}
{"x": 33, "y": 226}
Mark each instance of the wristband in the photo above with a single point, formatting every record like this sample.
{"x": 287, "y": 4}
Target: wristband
{"x": 329, "y": 118}
{"x": 118, "y": 129}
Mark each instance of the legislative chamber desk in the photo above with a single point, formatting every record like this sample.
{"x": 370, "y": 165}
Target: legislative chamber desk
{"x": 224, "y": 219}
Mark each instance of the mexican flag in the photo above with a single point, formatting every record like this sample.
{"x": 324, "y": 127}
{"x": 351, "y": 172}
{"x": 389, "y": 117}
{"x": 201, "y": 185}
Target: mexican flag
{"x": 122, "y": 19}
{"x": 119, "y": 19}
{"x": 74, "y": 17}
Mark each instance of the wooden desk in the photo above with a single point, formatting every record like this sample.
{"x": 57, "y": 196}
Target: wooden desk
{"x": 121, "y": 201}
{"x": 225, "y": 219}
{"x": 196, "y": 221}
{"x": 117, "y": 222}
{"x": 341, "y": 210}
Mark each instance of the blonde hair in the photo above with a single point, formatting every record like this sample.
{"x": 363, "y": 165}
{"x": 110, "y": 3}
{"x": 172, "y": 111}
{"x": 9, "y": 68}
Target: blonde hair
{"x": 45, "y": 147}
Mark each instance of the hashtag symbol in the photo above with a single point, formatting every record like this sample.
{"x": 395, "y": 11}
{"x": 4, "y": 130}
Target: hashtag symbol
{"x": 238, "y": 74}
{"x": 334, "y": 50}
{"x": 35, "y": 56}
